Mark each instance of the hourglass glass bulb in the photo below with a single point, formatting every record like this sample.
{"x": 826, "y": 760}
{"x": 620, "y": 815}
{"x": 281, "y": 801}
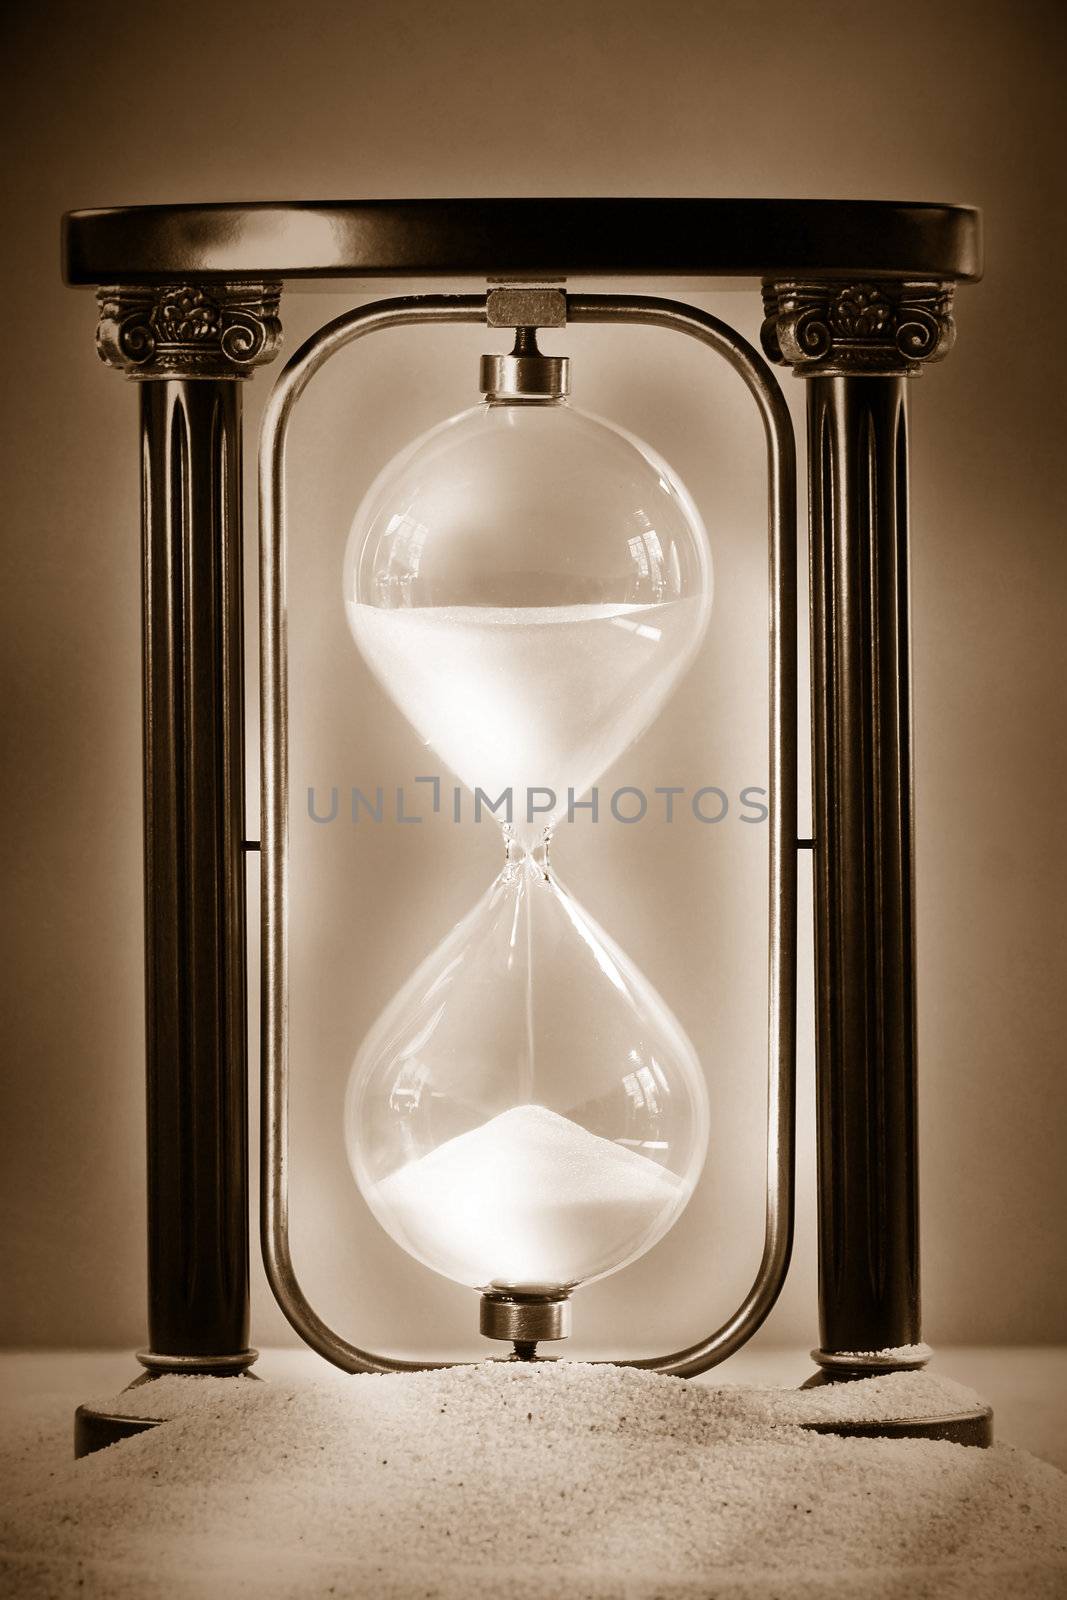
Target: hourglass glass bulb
{"x": 526, "y": 1111}
{"x": 527, "y": 582}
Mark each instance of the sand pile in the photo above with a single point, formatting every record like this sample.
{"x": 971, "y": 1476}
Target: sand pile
{"x": 553, "y": 1480}
{"x": 529, "y": 1197}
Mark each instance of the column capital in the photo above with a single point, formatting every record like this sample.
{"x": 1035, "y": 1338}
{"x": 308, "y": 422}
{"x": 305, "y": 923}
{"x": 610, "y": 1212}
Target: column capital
{"x": 189, "y": 330}
{"x": 881, "y": 327}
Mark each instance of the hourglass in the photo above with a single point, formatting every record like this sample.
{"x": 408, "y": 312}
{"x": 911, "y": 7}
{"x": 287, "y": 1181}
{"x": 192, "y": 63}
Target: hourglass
{"x": 527, "y": 1115}
{"x": 528, "y": 583}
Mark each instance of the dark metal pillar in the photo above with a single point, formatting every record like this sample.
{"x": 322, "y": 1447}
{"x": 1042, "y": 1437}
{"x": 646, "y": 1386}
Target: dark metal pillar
{"x": 857, "y": 343}
{"x": 864, "y": 885}
{"x": 188, "y": 346}
{"x": 194, "y": 870}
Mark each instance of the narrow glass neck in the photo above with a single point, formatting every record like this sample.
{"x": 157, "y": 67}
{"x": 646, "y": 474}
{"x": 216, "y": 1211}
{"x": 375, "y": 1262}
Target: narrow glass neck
{"x": 518, "y": 851}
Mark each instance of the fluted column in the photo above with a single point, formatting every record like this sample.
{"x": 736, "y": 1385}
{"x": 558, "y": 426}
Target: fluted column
{"x": 188, "y": 346}
{"x": 857, "y": 344}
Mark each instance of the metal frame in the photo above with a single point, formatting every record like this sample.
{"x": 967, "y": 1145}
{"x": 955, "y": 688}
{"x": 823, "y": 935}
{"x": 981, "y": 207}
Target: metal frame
{"x": 781, "y": 459}
{"x": 535, "y": 238}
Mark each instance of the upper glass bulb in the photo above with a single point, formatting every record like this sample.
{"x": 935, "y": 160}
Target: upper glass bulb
{"x": 528, "y": 582}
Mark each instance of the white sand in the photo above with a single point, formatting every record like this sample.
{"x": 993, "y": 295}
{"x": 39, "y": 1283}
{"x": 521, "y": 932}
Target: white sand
{"x": 529, "y": 1198}
{"x": 542, "y": 1482}
{"x": 529, "y": 697}
{"x": 896, "y": 1352}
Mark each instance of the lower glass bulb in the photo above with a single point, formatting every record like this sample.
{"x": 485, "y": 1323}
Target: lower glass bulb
{"x": 527, "y": 1115}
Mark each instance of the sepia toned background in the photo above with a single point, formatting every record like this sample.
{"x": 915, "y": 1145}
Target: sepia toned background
{"x": 914, "y": 102}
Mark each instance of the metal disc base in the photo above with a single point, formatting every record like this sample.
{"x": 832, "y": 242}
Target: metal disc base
{"x": 970, "y": 1427}
{"x": 963, "y": 1427}
{"x": 95, "y": 1430}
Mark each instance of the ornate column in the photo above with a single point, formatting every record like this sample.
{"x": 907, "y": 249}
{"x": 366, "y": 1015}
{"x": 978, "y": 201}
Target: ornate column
{"x": 188, "y": 345}
{"x": 857, "y": 343}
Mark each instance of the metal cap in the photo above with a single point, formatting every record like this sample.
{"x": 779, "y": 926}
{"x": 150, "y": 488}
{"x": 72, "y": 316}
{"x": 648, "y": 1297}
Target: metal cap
{"x": 525, "y": 374}
{"x": 526, "y": 1318}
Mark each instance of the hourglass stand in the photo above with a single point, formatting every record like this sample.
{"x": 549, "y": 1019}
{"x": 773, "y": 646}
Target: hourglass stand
{"x": 857, "y": 298}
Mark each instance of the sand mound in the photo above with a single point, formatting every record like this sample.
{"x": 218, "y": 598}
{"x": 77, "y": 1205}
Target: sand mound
{"x": 537, "y": 1481}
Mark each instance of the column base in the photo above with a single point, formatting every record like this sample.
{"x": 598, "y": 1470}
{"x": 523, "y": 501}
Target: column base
{"x": 839, "y": 1366}
{"x": 96, "y": 1430}
{"x": 206, "y": 1366}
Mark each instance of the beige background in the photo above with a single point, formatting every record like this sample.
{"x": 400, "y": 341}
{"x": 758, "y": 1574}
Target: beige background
{"x": 913, "y": 101}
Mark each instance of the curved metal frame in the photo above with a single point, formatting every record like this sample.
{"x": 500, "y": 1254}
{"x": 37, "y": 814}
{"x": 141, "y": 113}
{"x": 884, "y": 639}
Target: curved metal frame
{"x": 781, "y": 466}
